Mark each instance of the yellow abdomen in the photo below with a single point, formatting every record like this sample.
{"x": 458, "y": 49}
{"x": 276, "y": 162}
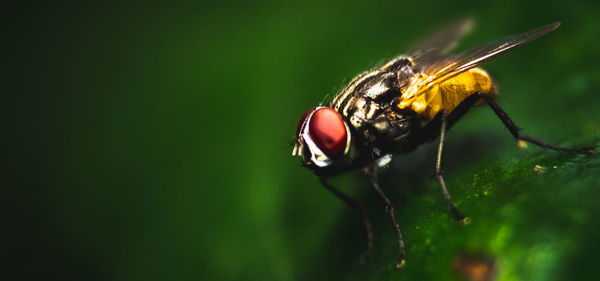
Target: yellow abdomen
{"x": 450, "y": 93}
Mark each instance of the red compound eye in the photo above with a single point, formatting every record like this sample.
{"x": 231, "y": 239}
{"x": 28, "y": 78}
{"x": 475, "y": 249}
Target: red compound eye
{"x": 302, "y": 119}
{"x": 328, "y": 131}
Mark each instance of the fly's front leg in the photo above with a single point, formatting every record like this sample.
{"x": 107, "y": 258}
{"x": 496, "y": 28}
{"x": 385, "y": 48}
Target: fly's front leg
{"x": 438, "y": 173}
{"x": 363, "y": 213}
{"x": 371, "y": 173}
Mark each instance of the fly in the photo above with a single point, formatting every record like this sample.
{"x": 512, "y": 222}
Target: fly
{"x": 409, "y": 101}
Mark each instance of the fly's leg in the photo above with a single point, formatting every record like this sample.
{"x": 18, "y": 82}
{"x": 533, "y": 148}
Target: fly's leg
{"x": 430, "y": 131}
{"x": 444, "y": 121}
{"x": 363, "y": 213}
{"x": 514, "y": 130}
{"x": 371, "y": 173}
{"x": 438, "y": 173}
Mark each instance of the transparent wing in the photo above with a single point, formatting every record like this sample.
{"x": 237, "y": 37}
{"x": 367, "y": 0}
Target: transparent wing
{"x": 450, "y": 66}
{"x": 439, "y": 43}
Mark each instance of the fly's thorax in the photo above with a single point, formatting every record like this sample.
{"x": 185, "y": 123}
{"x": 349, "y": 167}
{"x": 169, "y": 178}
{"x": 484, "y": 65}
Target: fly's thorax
{"x": 366, "y": 105}
{"x": 389, "y": 130}
{"x": 379, "y": 86}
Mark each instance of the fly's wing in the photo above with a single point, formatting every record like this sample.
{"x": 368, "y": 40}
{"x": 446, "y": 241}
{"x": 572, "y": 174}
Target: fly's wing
{"x": 438, "y": 44}
{"x": 431, "y": 49}
{"x": 450, "y": 66}
{"x": 434, "y": 46}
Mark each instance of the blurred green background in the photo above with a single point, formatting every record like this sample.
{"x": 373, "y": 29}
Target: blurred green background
{"x": 150, "y": 142}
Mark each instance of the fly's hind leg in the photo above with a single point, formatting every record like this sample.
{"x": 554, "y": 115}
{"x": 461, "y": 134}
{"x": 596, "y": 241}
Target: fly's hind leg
{"x": 371, "y": 173}
{"x": 363, "y": 213}
{"x": 514, "y": 130}
{"x": 442, "y": 122}
{"x": 467, "y": 103}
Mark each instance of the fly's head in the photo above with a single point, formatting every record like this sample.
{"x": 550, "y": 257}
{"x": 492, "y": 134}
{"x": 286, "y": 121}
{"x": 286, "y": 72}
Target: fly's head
{"x": 322, "y": 138}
